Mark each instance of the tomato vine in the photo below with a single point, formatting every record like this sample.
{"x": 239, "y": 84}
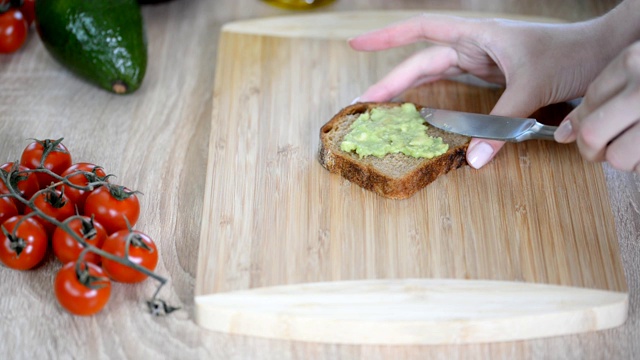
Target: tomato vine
{"x": 127, "y": 255}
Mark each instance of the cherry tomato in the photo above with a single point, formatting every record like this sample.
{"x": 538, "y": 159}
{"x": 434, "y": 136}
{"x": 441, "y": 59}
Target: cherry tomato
{"x": 110, "y": 205}
{"x": 28, "y": 10}
{"x": 13, "y": 31}
{"x": 26, "y": 183}
{"x": 86, "y": 173}
{"x": 58, "y": 159}
{"x": 142, "y": 251}
{"x": 85, "y": 293}
{"x": 52, "y": 203}
{"x": 23, "y": 243}
{"x": 67, "y": 248}
{"x": 7, "y": 209}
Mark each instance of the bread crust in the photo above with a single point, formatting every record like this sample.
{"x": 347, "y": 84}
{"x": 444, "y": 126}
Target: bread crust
{"x": 372, "y": 178}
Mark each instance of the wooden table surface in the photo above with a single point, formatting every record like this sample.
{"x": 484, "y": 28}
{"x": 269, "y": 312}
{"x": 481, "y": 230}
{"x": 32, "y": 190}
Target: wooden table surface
{"x": 156, "y": 141}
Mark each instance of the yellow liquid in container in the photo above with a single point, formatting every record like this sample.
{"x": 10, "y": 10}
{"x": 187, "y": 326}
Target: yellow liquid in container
{"x": 298, "y": 4}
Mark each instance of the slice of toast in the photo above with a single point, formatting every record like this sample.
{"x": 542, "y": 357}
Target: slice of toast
{"x": 395, "y": 176}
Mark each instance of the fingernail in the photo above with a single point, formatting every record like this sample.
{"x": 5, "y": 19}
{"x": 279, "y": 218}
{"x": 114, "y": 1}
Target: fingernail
{"x": 479, "y": 155}
{"x": 564, "y": 131}
{"x": 355, "y": 100}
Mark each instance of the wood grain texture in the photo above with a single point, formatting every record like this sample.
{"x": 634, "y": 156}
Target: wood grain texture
{"x": 157, "y": 140}
{"x": 289, "y": 221}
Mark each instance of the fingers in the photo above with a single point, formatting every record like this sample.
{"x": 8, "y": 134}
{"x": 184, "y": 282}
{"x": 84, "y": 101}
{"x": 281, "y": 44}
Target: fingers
{"x": 514, "y": 102}
{"x": 565, "y": 133}
{"x": 611, "y": 81}
{"x": 605, "y": 123}
{"x": 430, "y": 27}
{"x": 605, "y": 126}
{"x": 481, "y": 151}
{"x": 618, "y": 153}
{"x": 518, "y": 100}
{"x": 430, "y": 64}
{"x": 608, "y": 84}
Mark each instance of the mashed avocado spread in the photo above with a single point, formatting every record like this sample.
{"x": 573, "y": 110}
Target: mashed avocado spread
{"x": 399, "y": 129}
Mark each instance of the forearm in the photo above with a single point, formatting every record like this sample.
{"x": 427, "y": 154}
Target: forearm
{"x": 582, "y": 50}
{"x": 618, "y": 28}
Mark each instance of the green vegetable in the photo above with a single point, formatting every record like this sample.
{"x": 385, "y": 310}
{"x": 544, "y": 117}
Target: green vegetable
{"x": 102, "y": 41}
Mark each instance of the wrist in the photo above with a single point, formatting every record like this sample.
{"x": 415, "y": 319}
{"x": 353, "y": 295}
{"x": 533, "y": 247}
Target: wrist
{"x": 603, "y": 38}
{"x": 618, "y": 28}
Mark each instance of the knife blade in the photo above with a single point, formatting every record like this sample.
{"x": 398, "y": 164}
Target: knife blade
{"x": 488, "y": 126}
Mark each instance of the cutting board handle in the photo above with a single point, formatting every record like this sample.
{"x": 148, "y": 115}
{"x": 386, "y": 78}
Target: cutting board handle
{"x": 411, "y": 311}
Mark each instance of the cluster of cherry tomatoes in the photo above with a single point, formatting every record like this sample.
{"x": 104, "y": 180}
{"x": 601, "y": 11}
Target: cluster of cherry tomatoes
{"x": 49, "y": 202}
{"x": 16, "y": 17}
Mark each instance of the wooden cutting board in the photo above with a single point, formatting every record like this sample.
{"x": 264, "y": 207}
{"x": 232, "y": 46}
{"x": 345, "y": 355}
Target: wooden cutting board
{"x": 524, "y": 248}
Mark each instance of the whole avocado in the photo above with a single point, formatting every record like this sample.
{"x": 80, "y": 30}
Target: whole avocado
{"x": 103, "y": 41}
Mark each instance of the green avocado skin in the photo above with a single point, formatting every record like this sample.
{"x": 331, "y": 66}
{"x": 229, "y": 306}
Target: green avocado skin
{"x": 102, "y": 41}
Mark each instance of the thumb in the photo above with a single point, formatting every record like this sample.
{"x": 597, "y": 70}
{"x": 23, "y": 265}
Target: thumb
{"x": 514, "y": 102}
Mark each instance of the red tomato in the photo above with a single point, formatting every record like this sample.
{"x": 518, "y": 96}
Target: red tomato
{"x": 67, "y": 248}
{"x": 23, "y": 243}
{"x": 7, "y": 209}
{"x": 58, "y": 159}
{"x": 26, "y": 183}
{"x": 86, "y": 173}
{"x": 82, "y": 294}
{"x": 13, "y": 31}
{"x": 110, "y": 205}
{"x": 54, "y": 204}
{"x": 142, "y": 251}
{"x": 28, "y": 10}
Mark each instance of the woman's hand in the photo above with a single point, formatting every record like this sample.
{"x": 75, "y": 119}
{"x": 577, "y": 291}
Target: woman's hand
{"x": 606, "y": 125}
{"x": 540, "y": 64}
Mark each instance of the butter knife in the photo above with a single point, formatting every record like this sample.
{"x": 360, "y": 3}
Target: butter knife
{"x": 488, "y": 126}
